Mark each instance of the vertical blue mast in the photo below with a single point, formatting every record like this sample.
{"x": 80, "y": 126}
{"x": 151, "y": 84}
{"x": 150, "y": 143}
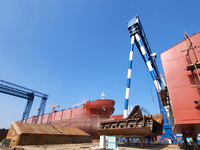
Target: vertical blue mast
{"x": 128, "y": 79}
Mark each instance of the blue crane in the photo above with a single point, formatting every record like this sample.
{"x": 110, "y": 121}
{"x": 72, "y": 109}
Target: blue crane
{"x": 22, "y": 92}
{"x": 138, "y": 38}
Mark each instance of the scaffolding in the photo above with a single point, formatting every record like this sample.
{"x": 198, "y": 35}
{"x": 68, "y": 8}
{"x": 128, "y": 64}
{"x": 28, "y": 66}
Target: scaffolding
{"x": 193, "y": 63}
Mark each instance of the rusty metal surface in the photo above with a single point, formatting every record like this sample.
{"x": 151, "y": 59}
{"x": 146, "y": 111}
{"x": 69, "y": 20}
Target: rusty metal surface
{"x": 135, "y": 125}
{"x": 127, "y": 132}
{"x": 135, "y": 113}
{"x": 164, "y": 96}
{"x": 46, "y": 129}
{"x": 3, "y": 133}
{"x": 34, "y": 134}
{"x": 70, "y": 130}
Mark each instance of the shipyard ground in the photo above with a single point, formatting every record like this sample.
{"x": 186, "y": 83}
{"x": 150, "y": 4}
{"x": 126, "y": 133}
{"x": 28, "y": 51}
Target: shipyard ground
{"x": 93, "y": 146}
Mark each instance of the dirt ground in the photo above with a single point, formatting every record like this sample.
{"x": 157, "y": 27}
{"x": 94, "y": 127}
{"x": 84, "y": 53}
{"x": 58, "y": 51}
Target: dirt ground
{"x": 93, "y": 146}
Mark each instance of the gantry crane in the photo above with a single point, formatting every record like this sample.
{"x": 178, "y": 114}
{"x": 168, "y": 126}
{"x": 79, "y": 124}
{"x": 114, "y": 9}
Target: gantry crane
{"x": 22, "y": 92}
{"x": 138, "y": 38}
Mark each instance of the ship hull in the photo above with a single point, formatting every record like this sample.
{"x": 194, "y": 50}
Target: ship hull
{"x": 86, "y": 118}
{"x": 183, "y": 86}
{"x": 89, "y": 124}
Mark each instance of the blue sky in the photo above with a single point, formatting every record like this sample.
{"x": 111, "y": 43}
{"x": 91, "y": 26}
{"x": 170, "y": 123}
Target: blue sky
{"x": 73, "y": 49}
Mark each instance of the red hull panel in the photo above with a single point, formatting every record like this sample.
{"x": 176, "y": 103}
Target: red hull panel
{"x": 89, "y": 124}
{"x": 116, "y": 117}
{"x": 179, "y": 82}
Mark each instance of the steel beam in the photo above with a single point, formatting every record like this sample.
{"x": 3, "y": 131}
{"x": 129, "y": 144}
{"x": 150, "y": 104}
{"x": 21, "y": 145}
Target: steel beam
{"x": 41, "y": 110}
{"x": 22, "y": 92}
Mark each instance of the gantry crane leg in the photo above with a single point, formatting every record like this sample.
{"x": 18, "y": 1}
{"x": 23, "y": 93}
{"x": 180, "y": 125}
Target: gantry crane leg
{"x": 28, "y": 107}
{"x": 41, "y": 110}
{"x": 138, "y": 38}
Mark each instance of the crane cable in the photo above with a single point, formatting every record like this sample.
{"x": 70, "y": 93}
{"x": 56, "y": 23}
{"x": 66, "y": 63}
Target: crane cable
{"x": 151, "y": 92}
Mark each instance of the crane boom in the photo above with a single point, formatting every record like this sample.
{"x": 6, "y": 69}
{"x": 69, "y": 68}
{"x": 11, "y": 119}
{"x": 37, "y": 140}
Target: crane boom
{"x": 53, "y": 107}
{"x": 136, "y": 31}
{"x": 138, "y": 37}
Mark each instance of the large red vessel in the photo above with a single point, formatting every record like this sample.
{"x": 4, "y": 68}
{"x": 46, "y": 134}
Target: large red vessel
{"x": 182, "y": 72}
{"x": 87, "y": 117}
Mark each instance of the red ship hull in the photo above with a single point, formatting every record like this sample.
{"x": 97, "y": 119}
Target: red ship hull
{"x": 183, "y": 86}
{"x": 86, "y": 118}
